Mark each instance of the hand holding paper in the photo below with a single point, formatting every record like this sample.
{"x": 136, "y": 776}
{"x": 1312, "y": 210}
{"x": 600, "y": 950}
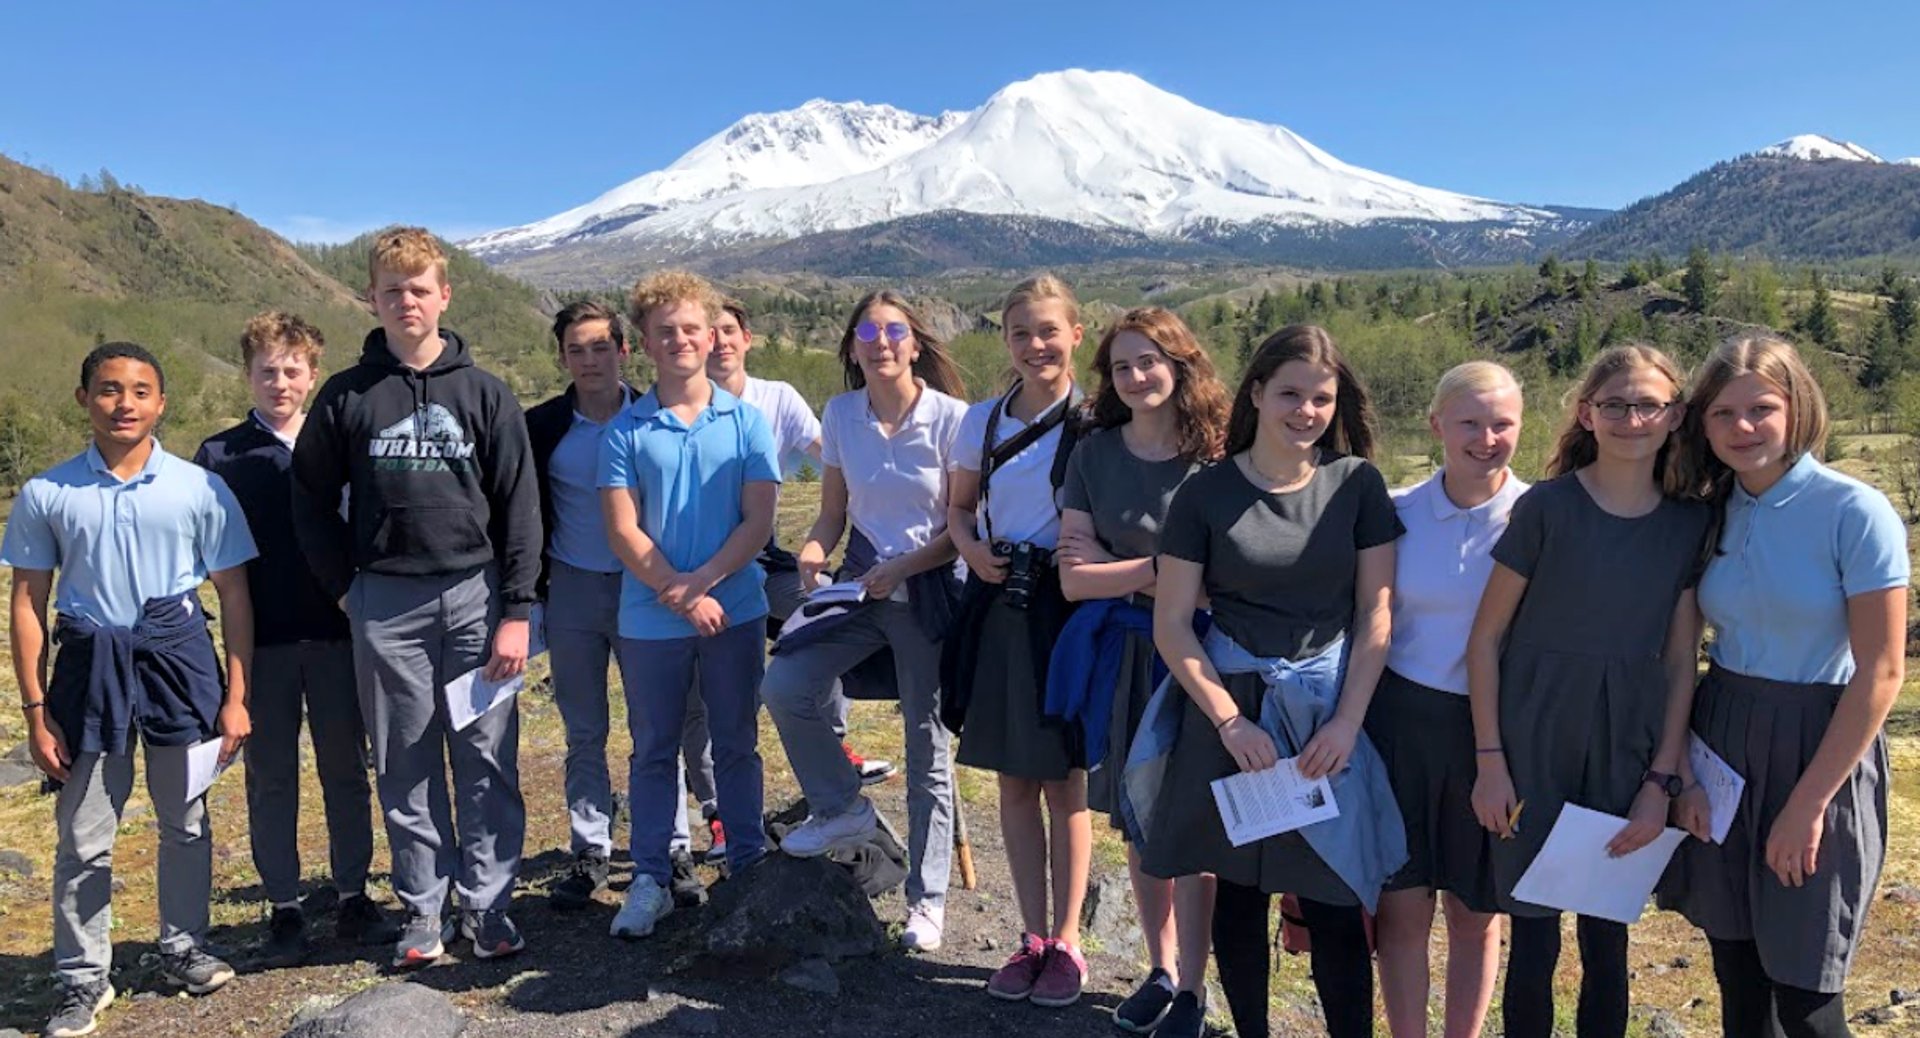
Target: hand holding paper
{"x": 1257, "y": 804}
{"x": 1574, "y": 872}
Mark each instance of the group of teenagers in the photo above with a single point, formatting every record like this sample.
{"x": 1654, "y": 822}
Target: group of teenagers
{"x": 1109, "y": 599}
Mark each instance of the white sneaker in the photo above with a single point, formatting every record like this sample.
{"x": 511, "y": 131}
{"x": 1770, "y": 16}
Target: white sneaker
{"x": 817, "y": 835}
{"x": 647, "y": 903}
{"x": 925, "y": 923}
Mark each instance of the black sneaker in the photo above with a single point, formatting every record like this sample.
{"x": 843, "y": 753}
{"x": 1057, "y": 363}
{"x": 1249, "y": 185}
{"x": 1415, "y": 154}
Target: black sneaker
{"x": 286, "y": 943}
{"x": 422, "y": 941}
{"x": 1186, "y": 1018}
{"x": 361, "y": 921}
{"x": 195, "y": 970}
{"x": 585, "y": 877}
{"x": 688, "y": 891}
{"x": 493, "y": 934}
{"x": 1144, "y": 1009}
{"x": 79, "y": 1005}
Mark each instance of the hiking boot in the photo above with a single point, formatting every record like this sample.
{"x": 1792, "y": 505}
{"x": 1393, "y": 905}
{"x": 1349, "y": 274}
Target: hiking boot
{"x": 1061, "y": 977}
{"x": 717, "y": 849}
{"x": 422, "y": 941}
{"x": 586, "y": 877}
{"x": 1147, "y": 1007}
{"x": 492, "y": 932}
{"x": 286, "y": 943}
{"x": 872, "y": 769}
{"x": 361, "y": 921}
{"x": 926, "y": 921}
{"x": 817, "y": 835}
{"x": 688, "y": 891}
{"x": 195, "y": 970}
{"x": 1186, "y": 1017}
{"x": 1014, "y": 981}
{"x": 647, "y": 903}
{"x": 79, "y": 1006}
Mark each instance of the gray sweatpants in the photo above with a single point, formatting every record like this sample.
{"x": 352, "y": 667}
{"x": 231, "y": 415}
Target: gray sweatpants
{"x": 315, "y": 679}
{"x": 87, "y": 816}
{"x": 799, "y": 692}
{"x": 411, "y": 635}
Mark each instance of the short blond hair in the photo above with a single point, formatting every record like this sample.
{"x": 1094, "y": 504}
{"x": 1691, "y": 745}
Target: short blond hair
{"x": 276, "y": 331}
{"x": 408, "y": 251}
{"x": 667, "y": 288}
{"x": 1702, "y": 473}
{"x": 1475, "y": 376}
{"x": 1038, "y": 289}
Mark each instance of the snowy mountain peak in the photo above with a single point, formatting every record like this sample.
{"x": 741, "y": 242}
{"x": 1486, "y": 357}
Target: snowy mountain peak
{"x": 1813, "y": 147}
{"x": 1915, "y": 161}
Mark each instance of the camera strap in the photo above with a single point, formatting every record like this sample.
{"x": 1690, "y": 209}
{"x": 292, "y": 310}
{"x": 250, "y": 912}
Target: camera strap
{"x": 992, "y": 456}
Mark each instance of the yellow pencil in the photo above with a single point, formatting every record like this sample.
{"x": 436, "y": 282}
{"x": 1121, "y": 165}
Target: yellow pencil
{"x": 1513, "y": 820}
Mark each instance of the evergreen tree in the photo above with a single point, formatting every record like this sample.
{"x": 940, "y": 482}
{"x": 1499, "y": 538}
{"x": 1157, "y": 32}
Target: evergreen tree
{"x": 1884, "y": 358}
{"x": 1699, "y": 285}
{"x": 1903, "y": 315}
{"x": 1819, "y": 324}
{"x": 1585, "y": 343}
{"x": 1657, "y": 266}
{"x": 1590, "y": 280}
{"x": 1318, "y": 301}
{"x": 1634, "y": 275}
{"x": 1553, "y": 277}
{"x": 1343, "y": 294}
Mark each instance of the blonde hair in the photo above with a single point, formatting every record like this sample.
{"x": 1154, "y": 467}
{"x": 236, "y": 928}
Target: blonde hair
{"x": 1701, "y": 473}
{"x": 275, "y": 331}
{"x": 1475, "y": 376}
{"x": 667, "y": 288}
{"x": 1040, "y": 288}
{"x": 1576, "y": 446}
{"x": 407, "y": 251}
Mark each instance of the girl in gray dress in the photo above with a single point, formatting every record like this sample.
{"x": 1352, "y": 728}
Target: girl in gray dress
{"x": 1806, "y": 589}
{"x": 1580, "y": 667}
{"x": 1291, "y": 539}
{"x": 1160, "y": 414}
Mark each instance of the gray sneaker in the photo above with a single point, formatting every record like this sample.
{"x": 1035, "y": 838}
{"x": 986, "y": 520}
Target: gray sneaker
{"x": 493, "y": 934}
{"x": 422, "y": 941}
{"x": 195, "y": 970}
{"x": 80, "y": 1005}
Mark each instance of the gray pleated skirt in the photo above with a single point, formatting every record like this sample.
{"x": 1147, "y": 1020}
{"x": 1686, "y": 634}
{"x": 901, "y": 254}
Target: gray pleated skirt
{"x": 1187, "y": 836}
{"x": 1425, "y": 737}
{"x": 1767, "y": 731}
{"x": 1007, "y": 729}
{"x": 1130, "y": 696}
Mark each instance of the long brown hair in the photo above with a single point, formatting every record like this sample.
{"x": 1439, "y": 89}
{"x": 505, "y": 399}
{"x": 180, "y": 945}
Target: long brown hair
{"x": 1199, "y": 400}
{"x": 1350, "y": 432}
{"x": 931, "y": 364}
{"x": 1576, "y": 447}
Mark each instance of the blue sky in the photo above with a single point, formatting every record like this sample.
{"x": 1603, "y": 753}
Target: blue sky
{"x": 321, "y": 122}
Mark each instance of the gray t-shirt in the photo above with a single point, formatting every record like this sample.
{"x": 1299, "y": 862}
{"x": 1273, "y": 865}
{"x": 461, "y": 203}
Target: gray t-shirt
{"x": 1280, "y": 567}
{"x": 1126, "y": 496}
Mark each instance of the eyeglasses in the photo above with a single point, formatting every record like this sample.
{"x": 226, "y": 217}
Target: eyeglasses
{"x": 1617, "y": 410}
{"x": 897, "y": 331}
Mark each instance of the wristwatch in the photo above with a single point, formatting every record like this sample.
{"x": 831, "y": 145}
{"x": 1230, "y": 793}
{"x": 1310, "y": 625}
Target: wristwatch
{"x": 1665, "y": 783}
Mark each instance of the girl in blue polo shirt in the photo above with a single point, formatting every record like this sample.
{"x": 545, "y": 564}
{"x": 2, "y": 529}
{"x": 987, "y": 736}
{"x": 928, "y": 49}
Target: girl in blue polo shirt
{"x": 1806, "y": 590}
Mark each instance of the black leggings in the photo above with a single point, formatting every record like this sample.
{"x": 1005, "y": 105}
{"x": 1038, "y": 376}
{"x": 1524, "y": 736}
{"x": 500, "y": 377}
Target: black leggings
{"x": 1527, "y": 1009}
{"x": 1243, "y": 952}
{"x": 1752, "y": 1005}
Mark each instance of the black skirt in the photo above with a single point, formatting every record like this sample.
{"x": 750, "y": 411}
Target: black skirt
{"x": 1767, "y": 731}
{"x": 1425, "y": 736}
{"x": 1130, "y": 697}
{"x": 1006, "y": 728}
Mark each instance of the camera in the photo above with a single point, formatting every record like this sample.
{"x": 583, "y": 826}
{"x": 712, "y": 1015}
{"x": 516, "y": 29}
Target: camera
{"x": 1023, "y": 565}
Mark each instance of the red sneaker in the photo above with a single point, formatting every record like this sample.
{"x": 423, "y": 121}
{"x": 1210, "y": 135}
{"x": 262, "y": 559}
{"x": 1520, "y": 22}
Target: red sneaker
{"x": 717, "y": 849}
{"x": 1014, "y": 981}
{"x": 1061, "y": 977}
{"x": 872, "y": 770}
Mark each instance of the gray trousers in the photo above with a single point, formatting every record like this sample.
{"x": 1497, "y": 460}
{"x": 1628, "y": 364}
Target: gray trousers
{"x": 583, "y": 630}
{"x": 87, "y": 816}
{"x": 314, "y": 678}
{"x": 411, "y": 635}
{"x": 696, "y": 746}
{"x": 799, "y": 692}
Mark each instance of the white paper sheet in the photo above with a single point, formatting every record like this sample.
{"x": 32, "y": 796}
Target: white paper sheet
{"x": 1722, "y": 784}
{"x": 203, "y": 766}
{"x": 471, "y": 694}
{"x": 1574, "y": 873}
{"x": 847, "y": 592}
{"x": 1257, "y": 804}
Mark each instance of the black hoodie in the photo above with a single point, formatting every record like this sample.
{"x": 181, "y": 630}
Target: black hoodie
{"x": 440, "y": 474}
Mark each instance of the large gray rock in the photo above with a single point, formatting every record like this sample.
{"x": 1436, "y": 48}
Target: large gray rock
{"x": 14, "y": 863}
{"x": 17, "y": 768}
{"x": 394, "y": 1010}
{"x": 1107, "y": 914}
{"x": 787, "y": 910}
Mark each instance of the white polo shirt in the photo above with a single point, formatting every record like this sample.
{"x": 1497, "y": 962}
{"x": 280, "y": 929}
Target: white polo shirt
{"x": 897, "y": 485}
{"x": 787, "y": 414}
{"x": 1022, "y": 496}
{"x": 1440, "y": 569}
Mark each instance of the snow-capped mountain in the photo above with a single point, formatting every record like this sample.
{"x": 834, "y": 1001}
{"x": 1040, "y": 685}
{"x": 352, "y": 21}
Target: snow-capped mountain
{"x": 1100, "y": 150}
{"x": 1813, "y": 147}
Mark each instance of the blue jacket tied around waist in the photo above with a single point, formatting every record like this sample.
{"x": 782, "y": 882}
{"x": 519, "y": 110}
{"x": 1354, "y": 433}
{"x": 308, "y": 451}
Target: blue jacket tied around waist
{"x": 1083, "y": 675}
{"x": 1367, "y": 841}
{"x": 160, "y": 677}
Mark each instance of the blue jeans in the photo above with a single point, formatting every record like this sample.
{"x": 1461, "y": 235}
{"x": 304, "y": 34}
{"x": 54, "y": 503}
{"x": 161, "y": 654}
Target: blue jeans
{"x": 656, "y": 675}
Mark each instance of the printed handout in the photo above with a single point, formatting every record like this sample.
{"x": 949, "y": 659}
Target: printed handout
{"x": 1257, "y": 804}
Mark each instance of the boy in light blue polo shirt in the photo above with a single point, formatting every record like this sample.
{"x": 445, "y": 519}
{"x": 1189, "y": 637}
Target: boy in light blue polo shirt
{"x": 132, "y": 531}
{"x": 689, "y": 480}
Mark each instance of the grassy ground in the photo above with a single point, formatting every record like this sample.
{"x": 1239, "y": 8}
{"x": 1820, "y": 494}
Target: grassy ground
{"x": 1670, "y": 960}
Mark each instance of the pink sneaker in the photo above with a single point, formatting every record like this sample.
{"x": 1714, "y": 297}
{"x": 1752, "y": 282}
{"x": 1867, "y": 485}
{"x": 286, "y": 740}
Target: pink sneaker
{"x": 1061, "y": 977}
{"x": 1015, "y": 980}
